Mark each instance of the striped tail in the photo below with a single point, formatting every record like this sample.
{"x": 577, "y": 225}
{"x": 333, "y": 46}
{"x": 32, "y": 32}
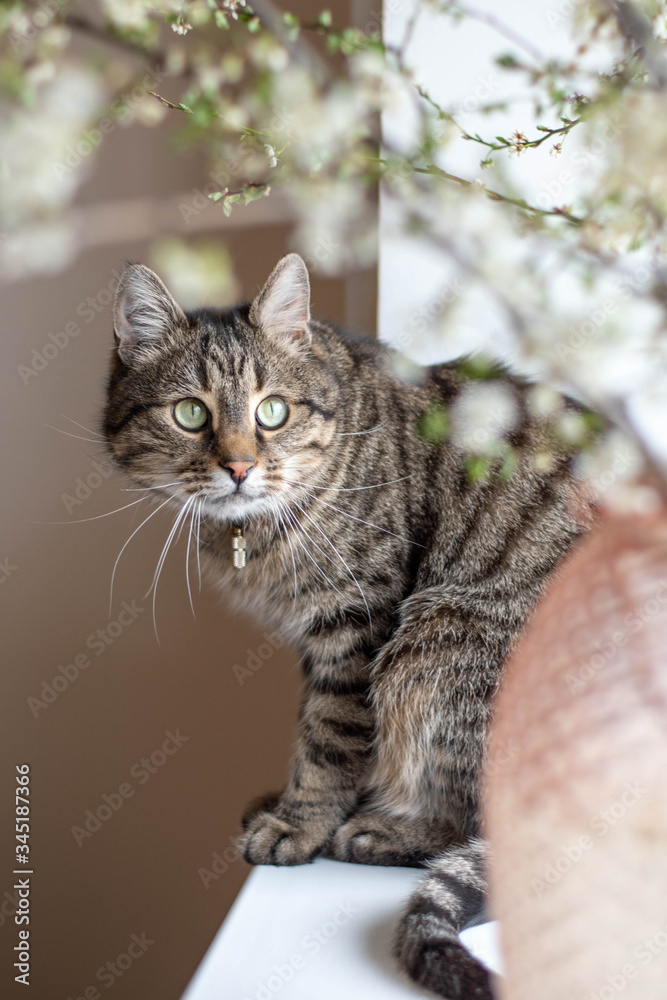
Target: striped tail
{"x": 427, "y": 944}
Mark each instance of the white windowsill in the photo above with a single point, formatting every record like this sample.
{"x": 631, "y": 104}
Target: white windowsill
{"x": 317, "y": 932}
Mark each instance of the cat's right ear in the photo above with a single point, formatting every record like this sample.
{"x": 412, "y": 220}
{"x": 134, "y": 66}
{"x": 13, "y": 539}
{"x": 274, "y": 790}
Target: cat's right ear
{"x": 145, "y": 314}
{"x": 282, "y": 308}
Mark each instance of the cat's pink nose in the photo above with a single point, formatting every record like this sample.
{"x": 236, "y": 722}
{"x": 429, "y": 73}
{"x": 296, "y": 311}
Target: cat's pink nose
{"x": 239, "y": 470}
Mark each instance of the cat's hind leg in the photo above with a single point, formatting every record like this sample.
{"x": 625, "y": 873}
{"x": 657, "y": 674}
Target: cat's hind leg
{"x": 427, "y": 945}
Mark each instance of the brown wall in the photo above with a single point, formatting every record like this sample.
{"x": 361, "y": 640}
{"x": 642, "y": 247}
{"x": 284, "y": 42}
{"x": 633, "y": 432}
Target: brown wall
{"x": 138, "y": 874}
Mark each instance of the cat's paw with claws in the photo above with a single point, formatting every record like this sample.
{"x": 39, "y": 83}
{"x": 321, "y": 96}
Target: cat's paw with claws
{"x": 372, "y": 838}
{"x": 269, "y": 840}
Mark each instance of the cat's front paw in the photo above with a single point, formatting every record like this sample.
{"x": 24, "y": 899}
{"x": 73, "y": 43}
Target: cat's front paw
{"x": 372, "y": 838}
{"x": 263, "y": 803}
{"x": 269, "y": 840}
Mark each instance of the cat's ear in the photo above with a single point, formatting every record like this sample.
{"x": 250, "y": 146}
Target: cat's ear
{"x": 145, "y": 314}
{"x": 282, "y": 308}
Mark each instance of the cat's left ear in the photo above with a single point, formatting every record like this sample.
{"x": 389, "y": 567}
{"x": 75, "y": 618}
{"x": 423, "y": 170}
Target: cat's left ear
{"x": 145, "y": 314}
{"x": 282, "y": 308}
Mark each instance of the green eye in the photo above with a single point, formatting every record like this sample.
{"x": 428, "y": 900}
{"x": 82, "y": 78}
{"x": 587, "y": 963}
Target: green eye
{"x": 190, "y": 414}
{"x": 272, "y": 412}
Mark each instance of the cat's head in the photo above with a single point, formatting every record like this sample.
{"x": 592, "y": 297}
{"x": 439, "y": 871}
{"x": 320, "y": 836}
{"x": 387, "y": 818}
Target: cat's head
{"x": 237, "y": 408}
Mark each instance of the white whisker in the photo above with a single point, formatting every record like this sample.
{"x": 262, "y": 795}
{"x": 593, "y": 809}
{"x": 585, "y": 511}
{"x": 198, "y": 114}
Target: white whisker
{"x": 139, "y": 489}
{"x": 163, "y": 557}
{"x": 79, "y": 437}
{"x": 180, "y": 530}
{"x": 289, "y": 543}
{"x": 199, "y": 510}
{"x": 274, "y": 517}
{"x": 328, "y": 540}
{"x": 310, "y": 539}
{"x": 347, "y": 489}
{"x": 371, "y": 430}
{"x": 369, "y": 523}
{"x": 291, "y": 516}
{"x": 113, "y": 574}
{"x": 187, "y": 557}
{"x": 81, "y": 520}
{"x": 82, "y": 426}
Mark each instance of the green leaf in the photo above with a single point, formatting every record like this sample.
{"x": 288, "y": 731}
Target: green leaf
{"x": 593, "y": 421}
{"x": 507, "y": 61}
{"x": 229, "y": 201}
{"x": 509, "y": 465}
{"x": 433, "y": 425}
{"x": 325, "y": 19}
{"x": 479, "y": 367}
{"x": 221, "y": 20}
{"x": 477, "y": 467}
{"x": 251, "y": 192}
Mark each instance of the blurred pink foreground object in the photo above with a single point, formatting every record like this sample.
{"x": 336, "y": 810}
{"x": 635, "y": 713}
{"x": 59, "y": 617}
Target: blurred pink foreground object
{"x": 577, "y": 796}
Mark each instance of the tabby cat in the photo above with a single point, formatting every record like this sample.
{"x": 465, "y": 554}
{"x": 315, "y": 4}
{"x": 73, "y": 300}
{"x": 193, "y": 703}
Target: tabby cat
{"x": 324, "y": 507}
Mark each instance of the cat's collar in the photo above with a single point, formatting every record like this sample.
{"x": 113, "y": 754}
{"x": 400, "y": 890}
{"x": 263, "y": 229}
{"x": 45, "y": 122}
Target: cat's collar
{"x": 238, "y": 547}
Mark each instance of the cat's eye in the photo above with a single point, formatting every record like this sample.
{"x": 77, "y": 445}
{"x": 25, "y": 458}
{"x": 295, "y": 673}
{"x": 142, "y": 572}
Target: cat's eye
{"x": 272, "y": 412}
{"x": 190, "y": 414}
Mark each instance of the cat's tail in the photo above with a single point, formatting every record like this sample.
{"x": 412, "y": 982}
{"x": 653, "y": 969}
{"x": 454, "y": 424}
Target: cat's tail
{"x": 427, "y": 944}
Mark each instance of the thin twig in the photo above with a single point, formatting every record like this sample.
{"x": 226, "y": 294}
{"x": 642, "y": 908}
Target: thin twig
{"x": 303, "y": 52}
{"x": 435, "y": 171}
{"x": 637, "y": 29}
{"x": 549, "y": 133}
{"x": 409, "y": 30}
{"x": 482, "y": 16}
{"x": 106, "y": 34}
{"x": 169, "y": 104}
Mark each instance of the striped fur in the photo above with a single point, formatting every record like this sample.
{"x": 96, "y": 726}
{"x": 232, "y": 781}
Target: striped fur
{"x": 427, "y": 944}
{"x": 403, "y": 583}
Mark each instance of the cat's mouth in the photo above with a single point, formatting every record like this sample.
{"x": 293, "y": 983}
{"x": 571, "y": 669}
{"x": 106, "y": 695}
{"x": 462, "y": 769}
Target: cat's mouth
{"x": 223, "y": 501}
{"x": 238, "y": 496}
{"x": 239, "y": 503}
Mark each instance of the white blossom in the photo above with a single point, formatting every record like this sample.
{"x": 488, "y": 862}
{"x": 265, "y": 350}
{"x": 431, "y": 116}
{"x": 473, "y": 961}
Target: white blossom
{"x": 38, "y": 248}
{"x": 481, "y": 416}
{"x": 46, "y": 150}
{"x": 200, "y": 275}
